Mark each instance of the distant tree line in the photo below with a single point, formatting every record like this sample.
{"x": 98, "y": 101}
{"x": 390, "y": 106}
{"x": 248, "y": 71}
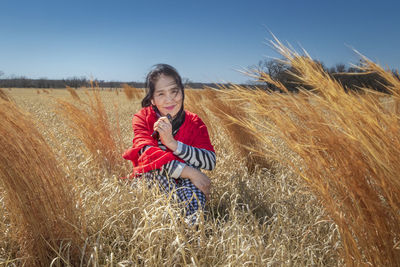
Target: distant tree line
{"x": 352, "y": 78}
{"x": 78, "y": 82}
{"x": 74, "y": 82}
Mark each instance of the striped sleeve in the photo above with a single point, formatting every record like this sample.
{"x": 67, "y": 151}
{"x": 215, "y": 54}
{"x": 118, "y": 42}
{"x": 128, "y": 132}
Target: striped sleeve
{"x": 196, "y": 157}
{"x": 173, "y": 169}
{"x": 143, "y": 149}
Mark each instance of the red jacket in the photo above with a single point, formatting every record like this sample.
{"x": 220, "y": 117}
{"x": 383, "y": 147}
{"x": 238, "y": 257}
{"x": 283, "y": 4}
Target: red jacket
{"x": 192, "y": 132}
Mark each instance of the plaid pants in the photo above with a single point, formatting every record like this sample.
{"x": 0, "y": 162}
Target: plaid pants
{"x": 187, "y": 194}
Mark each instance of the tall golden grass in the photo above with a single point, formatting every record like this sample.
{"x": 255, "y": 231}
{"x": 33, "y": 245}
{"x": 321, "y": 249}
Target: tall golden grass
{"x": 132, "y": 92}
{"x": 40, "y": 200}
{"x": 91, "y": 125}
{"x": 259, "y": 218}
{"x": 332, "y": 200}
{"x": 198, "y": 101}
{"x": 73, "y": 93}
{"x": 345, "y": 146}
{"x": 211, "y": 102}
{"x": 4, "y": 95}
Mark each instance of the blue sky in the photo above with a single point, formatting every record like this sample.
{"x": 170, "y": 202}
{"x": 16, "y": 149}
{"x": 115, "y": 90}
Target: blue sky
{"x": 207, "y": 41}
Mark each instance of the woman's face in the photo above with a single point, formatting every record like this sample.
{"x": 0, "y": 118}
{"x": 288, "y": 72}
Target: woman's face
{"x": 167, "y": 96}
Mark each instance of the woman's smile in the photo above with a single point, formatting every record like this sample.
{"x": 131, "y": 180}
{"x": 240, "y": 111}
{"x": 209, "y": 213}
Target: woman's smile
{"x": 168, "y": 97}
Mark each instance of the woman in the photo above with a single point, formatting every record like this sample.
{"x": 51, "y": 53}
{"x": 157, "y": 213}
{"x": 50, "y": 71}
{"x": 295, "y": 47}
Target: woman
{"x": 171, "y": 144}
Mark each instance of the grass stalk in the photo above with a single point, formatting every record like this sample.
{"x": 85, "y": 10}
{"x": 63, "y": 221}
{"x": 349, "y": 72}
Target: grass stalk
{"x": 39, "y": 198}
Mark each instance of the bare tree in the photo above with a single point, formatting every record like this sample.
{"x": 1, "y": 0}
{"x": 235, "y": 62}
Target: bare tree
{"x": 186, "y": 81}
{"x": 340, "y": 67}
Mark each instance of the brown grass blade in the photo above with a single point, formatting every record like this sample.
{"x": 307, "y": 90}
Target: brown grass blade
{"x": 39, "y": 197}
{"x": 131, "y": 92}
{"x": 91, "y": 125}
{"x": 73, "y": 93}
{"x": 4, "y": 95}
{"x": 345, "y": 146}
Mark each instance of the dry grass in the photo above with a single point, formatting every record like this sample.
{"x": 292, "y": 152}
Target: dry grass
{"x": 73, "y": 93}
{"x": 198, "y": 101}
{"x": 91, "y": 125}
{"x": 40, "y": 201}
{"x": 209, "y": 103}
{"x": 4, "y": 95}
{"x": 333, "y": 198}
{"x": 132, "y": 93}
{"x": 345, "y": 146}
{"x": 258, "y": 218}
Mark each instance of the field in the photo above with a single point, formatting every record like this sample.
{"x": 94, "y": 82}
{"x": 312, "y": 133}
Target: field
{"x": 301, "y": 179}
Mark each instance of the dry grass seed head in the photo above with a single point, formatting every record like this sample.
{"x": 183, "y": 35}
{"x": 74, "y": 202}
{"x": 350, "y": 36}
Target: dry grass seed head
{"x": 73, "y": 93}
{"x": 91, "y": 126}
{"x": 4, "y": 95}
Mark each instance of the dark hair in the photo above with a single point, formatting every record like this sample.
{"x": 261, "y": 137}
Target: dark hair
{"x": 152, "y": 78}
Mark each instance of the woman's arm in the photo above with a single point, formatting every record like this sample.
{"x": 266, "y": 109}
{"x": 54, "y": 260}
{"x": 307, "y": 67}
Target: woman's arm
{"x": 172, "y": 169}
{"x": 199, "y": 179}
{"x": 196, "y": 157}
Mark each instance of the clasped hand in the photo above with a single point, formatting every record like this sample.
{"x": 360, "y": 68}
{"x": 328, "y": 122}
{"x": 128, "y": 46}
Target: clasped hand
{"x": 164, "y": 128}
